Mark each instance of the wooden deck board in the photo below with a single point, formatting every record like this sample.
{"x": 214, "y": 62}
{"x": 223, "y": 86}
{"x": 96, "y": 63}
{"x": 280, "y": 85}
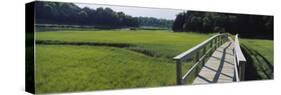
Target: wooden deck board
{"x": 219, "y": 68}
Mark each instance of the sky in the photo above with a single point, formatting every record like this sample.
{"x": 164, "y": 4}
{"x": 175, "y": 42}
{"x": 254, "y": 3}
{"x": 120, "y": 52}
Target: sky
{"x": 138, "y": 11}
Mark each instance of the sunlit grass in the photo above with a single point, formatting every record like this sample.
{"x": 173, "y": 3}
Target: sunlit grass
{"x": 64, "y": 68}
{"x": 79, "y": 68}
{"x": 259, "y": 58}
{"x": 162, "y": 42}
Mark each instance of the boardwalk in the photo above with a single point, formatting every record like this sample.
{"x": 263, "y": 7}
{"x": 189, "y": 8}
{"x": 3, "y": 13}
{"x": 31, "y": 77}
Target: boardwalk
{"x": 219, "y": 68}
{"x": 225, "y": 61}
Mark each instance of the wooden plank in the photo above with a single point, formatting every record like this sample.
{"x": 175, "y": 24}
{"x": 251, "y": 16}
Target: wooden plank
{"x": 190, "y": 53}
{"x": 178, "y": 72}
{"x": 200, "y": 61}
{"x": 219, "y": 68}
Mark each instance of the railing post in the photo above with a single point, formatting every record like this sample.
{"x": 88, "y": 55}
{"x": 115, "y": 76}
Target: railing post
{"x": 241, "y": 60}
{"x": 204, "y": 52}
{"x": 211, "y": 44}
{"x": 215, "y": 43}
{"x": 221, "y": 39}
{"x": 242, "y": 70}
{"x": 178, "y": 72}
{"x": 219, "y": 42}
{"x": 197, "y": 56}
{"x": 194, "y": 53}
{"x": 225, "y": 37}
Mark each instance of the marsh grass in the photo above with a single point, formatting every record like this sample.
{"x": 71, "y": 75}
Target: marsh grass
{"x": 95, "y": 60}
{"x": 259, "y": 55}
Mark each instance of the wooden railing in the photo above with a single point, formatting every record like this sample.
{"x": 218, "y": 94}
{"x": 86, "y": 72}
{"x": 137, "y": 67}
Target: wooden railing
{"x": 239, "y": 61}
{"x": 200, "y": 53}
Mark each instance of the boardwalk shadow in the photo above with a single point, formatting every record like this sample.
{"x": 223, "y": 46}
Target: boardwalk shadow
{"x": 218, "y": 71}
{"x": 224, "y": 60}
{"x": 257, "y": 67}
{"x": 225, "y": 52}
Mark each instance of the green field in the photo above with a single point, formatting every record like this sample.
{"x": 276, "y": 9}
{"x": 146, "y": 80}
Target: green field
{"x": 146, "y": 63}
{"x": 259, "y": 55}
{"x": 126, "y": 58}
{"x": 160, "y": 43}
{"x": 77, "y": 68}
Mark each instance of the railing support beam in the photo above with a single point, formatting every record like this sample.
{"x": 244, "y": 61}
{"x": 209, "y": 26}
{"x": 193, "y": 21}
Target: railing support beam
{"x": 242, "y": 70}
{"x": 178, "y": 72}
{"x": 199, "y": 59}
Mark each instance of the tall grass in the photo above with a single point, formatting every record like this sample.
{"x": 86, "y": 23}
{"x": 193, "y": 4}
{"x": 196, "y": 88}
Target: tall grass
{"x": 79, "y": 68}
{"x": 164, "y": 43}
{"x": 259, "y": 54}
{"x": 92, "y": 60}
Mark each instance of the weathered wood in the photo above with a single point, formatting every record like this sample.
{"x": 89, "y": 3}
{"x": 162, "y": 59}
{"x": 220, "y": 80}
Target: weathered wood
{"x": 226, "y": 64}
{"x": 178, "y": 68}
{"x": 199, "y": 58}
{"x": 219, "y": 68}
{"x": 240, "y": 59}
{"x": 187, "y": 54}
{"x": 242, "y": 70}
{"x": 236, "y": 75}
{"x": 204, "y": 52}
{"x": 238, "y": 51}
{"x": 211, "y": 44}
{"x": 194, "y": 67}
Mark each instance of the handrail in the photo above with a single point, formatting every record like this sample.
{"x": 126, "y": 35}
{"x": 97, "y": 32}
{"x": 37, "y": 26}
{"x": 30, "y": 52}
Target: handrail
{"x": 191, "y": 51}
{"x": 214, "y": 42}
{"x": 239, "y": 61}
{"x": 239, "y": 53}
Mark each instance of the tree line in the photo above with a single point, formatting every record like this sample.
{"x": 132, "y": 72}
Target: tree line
{"x": 250, "y": 26}
{"x": 154, "y": 22}
{"x": 71, "y": 14}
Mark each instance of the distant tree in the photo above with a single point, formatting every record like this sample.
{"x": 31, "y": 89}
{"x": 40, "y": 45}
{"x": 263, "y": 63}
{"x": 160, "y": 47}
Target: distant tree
{"x": 179, "y": 22}
{"x": 251, "y": 26}
{"x": 154, "y": 22}
{"x": 69, "y": 13}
